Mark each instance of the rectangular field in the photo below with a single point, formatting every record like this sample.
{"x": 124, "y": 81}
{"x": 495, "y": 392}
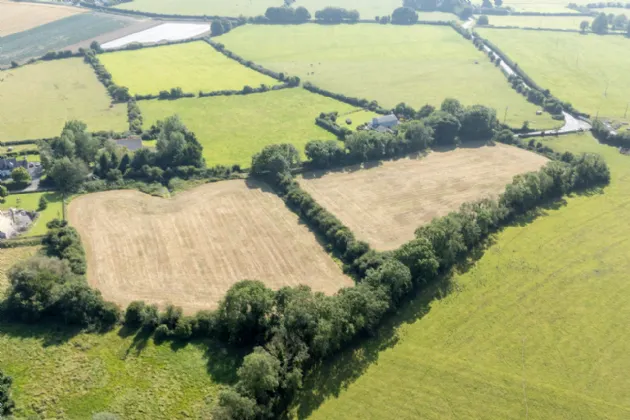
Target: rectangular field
{"x": 388, "y": 63}
{"x": 230, "y": 8}
{"x": 384, "y": 205}
{"x": 17, "y": 17}
{"x": 193, "y": 67}
{"x": 36, "y": 100}
{"x": 58, "y": 35}
{"x": 542, "y": 6}
{"x": 232, "y": 129}
{"x": 590, "y": 71}
{"x": 190, "y": 250}
{"x": 537, "y": 315}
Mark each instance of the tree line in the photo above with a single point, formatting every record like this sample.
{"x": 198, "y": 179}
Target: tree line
{"x": 603, "y": 23}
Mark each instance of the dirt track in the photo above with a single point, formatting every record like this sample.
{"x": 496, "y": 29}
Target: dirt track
{"x": 384, "y": 205}
{"x": 189, "y": 250}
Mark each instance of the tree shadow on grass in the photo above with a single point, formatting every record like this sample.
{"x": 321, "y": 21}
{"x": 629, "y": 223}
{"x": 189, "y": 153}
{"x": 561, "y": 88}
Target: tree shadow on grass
{"x": 49, "y": 334}
{"x": 332, "y": 376}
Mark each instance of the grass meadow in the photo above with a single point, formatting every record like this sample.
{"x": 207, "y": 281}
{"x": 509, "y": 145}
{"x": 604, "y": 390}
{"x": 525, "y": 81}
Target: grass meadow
{"x": 531, "y": 330}
{"x": 232, "y": 129}
{"x": 389, "y": 63}
{"x": 192, "y": 66}
{"x": 41, "y": 97}
{"x": 65, "y": 374}
{"x": 590, "y": 71}
{"x": 551, "y": 22}
{"x": 56, "y": 35}
{"x": 30, "y": 201}
{"x": 232, "y": 8}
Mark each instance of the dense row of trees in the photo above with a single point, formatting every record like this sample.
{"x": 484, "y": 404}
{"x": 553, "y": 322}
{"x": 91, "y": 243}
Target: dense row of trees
{"x": 336, "y": 15}
{"x": 118, "y": 93}
{"x": 358, "y": 102}
{"x": 603, "y": 22}
{"x": 605, "y": 135}
{"x": 287, "y": 15}
{"x": 134, "y": 116}
{"x": 220, "y": 27}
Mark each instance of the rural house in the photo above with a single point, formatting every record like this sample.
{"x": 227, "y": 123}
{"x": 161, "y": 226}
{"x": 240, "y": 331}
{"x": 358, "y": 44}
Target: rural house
{"x": 131, "y": 143}
{"x": 384, "y": 123}
{"x": 9, "y": 164}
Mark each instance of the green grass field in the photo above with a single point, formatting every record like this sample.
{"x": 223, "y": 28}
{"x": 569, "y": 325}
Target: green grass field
{"x": 391, "y": 64}
{"x": 590, "y": 71}
{"x": 232, "y": 129}
{"x": 552, "y": 22}
{"x": 193, "y": 67}
{"x": 41, "y": 97}
{"x": 61, "y": 375}
{"x": 532, "y": 330}
{"x": 17, "y": 148}
{"x": 230, "y": 8}
{"x": 56, "y": 36}
{"x": 31, "y": 202}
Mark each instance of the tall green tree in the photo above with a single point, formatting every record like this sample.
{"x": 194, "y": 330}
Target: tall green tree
{"x": 600, "y": 24}
{"x": 6, "y": 402}
{"x": 68, "y": 175}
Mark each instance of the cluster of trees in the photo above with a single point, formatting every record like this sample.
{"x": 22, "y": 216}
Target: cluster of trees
{"x": 362, "y": 103}
{"x": 603, "y": 22}
{"x": 57, "y": 55}
{"x": 66, "y": 158}
{"x": 287, "y": 15}
{"x": 451, "y": 124}
{"x": 462, "y": 8}
{"x": 483, "y": 20}
{"x": 404, "y": 16}
{"x": 337, "y": 15}
{"x": 328, "y": 121}
{"x": 6, "y": 402}
{"x": 53, "y": 286}
{"x": 118, "y": 93}
{"x": 220, "y": 27}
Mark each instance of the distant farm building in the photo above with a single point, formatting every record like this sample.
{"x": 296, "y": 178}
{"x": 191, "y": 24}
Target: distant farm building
{"x": 9, "y": 164}
{"x": 131, "y": 143}
{"x": 383, "y": 124}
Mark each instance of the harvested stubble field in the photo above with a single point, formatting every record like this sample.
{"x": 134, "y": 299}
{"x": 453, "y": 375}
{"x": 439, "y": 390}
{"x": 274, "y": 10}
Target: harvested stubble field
{"x": 193, "y": 67}
{"x": 384, "y": 205}
{"x": 416, "y": 64}
{"x": 18, "y": 17}
{"x": 41, "y": 97}
{"x": 190, "y": 250}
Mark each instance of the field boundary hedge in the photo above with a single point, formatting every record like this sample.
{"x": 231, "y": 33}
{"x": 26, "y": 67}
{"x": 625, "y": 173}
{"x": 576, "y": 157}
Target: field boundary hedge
{"x": 361, "y": 103}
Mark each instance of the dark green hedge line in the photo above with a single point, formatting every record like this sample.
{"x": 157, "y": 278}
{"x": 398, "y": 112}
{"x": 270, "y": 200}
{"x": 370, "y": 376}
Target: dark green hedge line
{"x": 15, "y": 243}
{"x": 21, "y": 142}
{"x": 134, "y": 116}
{"x": 119, "y": 94}
{"x": 328, "y": 121}
{"x": 247, "y": 90}
{"x": 362, "y": 103}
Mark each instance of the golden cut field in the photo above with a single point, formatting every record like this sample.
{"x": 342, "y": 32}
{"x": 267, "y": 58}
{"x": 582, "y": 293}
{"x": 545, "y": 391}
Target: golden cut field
{"x": 18, "y": 17}
{"x": 190, "y": 250}
{"x": 384, "y": 205}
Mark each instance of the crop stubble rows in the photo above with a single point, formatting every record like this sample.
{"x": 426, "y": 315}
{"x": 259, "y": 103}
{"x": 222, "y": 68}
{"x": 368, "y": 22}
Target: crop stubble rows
{"x": 384, "y": 205}
{"x": 190, "y": 250}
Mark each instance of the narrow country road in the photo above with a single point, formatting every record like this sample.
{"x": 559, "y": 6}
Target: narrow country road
{"x": 571, "y": 124}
